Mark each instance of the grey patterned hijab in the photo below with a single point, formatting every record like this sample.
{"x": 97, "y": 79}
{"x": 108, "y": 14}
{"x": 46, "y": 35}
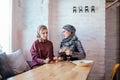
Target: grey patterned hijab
{"x": 70, "y": 28}
{"x": 69, "y": 43}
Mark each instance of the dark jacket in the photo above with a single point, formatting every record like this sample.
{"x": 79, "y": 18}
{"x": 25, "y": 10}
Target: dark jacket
{"x": 77, "y": 49}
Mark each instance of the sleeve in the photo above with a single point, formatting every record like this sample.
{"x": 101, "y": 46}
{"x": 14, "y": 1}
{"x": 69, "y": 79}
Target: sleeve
{"x": 51, "y": 53}
{"x": 34, "y": 52}
{"x": 80, "y": 53}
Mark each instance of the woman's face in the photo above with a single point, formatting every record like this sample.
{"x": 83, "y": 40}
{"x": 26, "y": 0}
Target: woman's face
{"x": 44, "y": 34}
{"x": 66, "y": 33}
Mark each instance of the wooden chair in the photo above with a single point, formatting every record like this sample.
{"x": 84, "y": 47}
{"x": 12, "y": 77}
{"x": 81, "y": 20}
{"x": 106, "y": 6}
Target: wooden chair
{"x": 114, "y": 72}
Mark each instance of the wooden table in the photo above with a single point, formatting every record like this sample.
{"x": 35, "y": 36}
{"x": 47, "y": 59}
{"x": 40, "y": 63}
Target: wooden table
{"x": 56, "y": 71}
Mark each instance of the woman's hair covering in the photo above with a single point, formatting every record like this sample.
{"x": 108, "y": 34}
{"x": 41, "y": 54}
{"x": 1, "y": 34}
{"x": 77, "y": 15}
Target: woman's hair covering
{"x": 69, "y": 28}
{"x": 40, "y": 28}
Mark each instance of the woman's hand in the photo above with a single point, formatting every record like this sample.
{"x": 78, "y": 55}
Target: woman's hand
{"x": 47, "y": 60}
{"x": 68, "y": 52}
{"x": 57, "y": 59}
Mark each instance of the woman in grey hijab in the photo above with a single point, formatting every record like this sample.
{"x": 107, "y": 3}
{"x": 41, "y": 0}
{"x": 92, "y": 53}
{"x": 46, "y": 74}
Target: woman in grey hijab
{"x": 70, "y": 46}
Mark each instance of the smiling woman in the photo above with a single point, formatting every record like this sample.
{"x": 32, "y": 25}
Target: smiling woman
{"x": 5, "y": 25}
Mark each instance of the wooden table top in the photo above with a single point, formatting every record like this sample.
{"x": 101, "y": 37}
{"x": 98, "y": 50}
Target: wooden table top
{"x": 55, "y": 71}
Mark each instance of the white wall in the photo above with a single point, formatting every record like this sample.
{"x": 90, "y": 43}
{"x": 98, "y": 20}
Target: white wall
{"x": 27, "y": 16}
{"x": 17, "y": 25}
{"x": 90, "y": 29}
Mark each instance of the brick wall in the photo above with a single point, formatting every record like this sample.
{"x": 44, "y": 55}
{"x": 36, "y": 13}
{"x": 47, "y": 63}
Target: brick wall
{"x": 90, "y": 29}
{"x": 27, "y": 16}
{"x": 112, "y": 37}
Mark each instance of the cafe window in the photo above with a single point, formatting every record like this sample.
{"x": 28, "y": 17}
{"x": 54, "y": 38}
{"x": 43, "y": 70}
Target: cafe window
{"x": 5, "y": 25}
